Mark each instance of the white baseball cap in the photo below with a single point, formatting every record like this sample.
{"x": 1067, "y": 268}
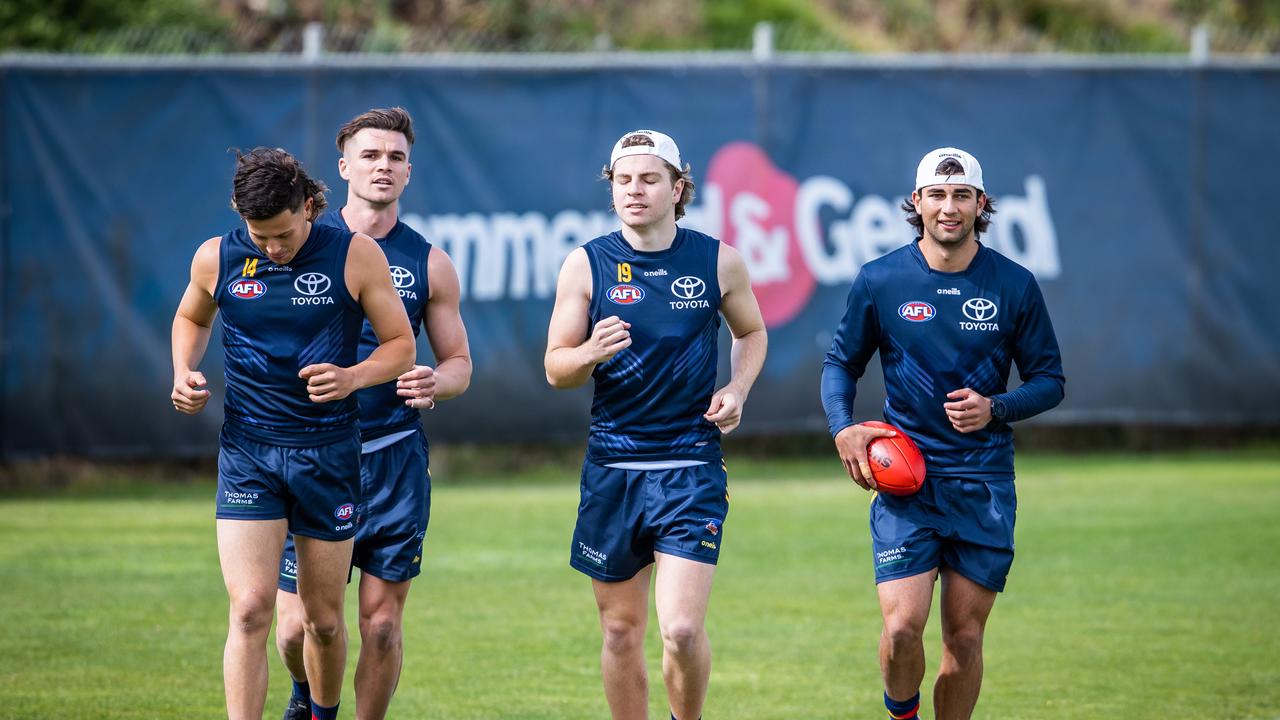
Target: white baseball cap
{"x": 646, "y": 142}
{"x": 927, "y": 170}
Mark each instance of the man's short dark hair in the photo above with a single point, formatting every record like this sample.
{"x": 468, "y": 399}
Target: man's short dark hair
{"x": 269, "y": 181}
{"x": 394, "y": 119}
{"x": 949, "y": 166}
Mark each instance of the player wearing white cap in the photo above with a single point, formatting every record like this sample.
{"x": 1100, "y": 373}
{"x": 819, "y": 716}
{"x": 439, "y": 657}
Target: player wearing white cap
{"x": 949, "y": 317}
{"x": 638, "y": 310}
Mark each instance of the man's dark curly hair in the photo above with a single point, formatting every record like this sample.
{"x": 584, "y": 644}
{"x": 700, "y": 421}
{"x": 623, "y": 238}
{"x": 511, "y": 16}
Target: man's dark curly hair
{"x": 269, "y": 181}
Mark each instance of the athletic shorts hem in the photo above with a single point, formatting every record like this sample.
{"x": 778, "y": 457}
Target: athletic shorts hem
{"x": 387, "y": 575}
{"x": 221, "y": 515}
{"x": 987, "y": 583}
{"x": 900, "y": 574}
{"x": 329, "y": 537}
{"x": 596, "y": 573}
{"x": 290, "y": 587}
{"x": 686, "y": 555}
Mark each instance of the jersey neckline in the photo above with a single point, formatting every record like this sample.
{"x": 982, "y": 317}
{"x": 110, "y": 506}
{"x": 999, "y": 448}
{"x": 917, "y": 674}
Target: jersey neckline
{"x": 978, "y": 259}
{"x": 676, "y": 243}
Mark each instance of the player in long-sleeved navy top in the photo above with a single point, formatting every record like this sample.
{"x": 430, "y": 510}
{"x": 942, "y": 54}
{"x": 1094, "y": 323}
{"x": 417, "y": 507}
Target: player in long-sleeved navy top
{"x": 948, "y": 316}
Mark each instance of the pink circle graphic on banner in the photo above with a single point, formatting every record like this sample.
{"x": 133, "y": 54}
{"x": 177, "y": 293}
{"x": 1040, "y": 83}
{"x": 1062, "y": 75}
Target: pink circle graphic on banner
{"x": 758, "y": 207}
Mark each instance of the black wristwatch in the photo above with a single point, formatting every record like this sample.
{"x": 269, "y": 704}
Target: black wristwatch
{"x": 998, "y": 410}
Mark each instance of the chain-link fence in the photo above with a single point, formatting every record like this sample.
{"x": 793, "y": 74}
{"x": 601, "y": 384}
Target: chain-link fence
{"x": 388, "y": 38}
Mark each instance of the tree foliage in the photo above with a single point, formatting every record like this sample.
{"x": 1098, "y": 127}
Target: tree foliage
{"x": 524, "y": 25}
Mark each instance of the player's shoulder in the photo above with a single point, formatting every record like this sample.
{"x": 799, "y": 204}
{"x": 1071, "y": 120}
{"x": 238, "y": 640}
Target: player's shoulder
{"x": 1007, "y": 266}
{"x": 332, "y": 218}
{"x": 890, "y": 265}
{"x": 405, "y": 232}
{"x": 695, "y": 236}
{"x": 210, "y": 250}
{"x": 364, "y": 249}
{"x": 1007, "y": 273}
{"x": 610, "y": 239}
{"x": 609, "y": 245}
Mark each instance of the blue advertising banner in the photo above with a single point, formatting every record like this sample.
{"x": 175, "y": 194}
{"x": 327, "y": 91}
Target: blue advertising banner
{"x": 1137, "y": 196}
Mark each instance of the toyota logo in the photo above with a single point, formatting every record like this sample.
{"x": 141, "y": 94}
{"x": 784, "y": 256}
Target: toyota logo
{"x": 688, "y": 287}
{"x": 311, "y": 284}
{"x": 401, "y": 277}
{"x": 980, "y": 309}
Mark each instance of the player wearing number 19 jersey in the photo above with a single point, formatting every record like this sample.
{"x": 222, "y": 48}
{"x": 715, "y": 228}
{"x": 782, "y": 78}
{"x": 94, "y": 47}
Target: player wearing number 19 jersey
{"x": 638, "y": 310}
{"x": 949, "y": 317}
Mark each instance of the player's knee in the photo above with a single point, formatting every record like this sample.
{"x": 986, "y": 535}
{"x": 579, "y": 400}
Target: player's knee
{"x": 682, "y": 637}
{"x": 380, "y": 632}
{"x": 622, "y": 636}
{"x": 289, "y": 634}
{"x": 902, "y": 634}
{"x": 325, "y": 628}
{"x": 963, "y": 644}
{"x": 251, "y": 612}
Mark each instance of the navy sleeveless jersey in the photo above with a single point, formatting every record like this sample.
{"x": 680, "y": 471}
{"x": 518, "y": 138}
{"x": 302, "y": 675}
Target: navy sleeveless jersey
{"x": 938, "y": 332}
{"x": 650, "y": 397}
{"x": 382, "y": 412}
{"x": 278, "y": 319}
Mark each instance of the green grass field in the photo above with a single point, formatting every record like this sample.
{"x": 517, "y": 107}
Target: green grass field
{"x": 1144, "y": 588}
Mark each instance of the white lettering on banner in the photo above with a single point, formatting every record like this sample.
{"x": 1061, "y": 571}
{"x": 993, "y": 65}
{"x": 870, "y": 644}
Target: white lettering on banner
{"x": 518, "y": 255}
{"x": 828, "y": 265}
{"x": 505, "y": 255}
{"x": 1022, "y": 230}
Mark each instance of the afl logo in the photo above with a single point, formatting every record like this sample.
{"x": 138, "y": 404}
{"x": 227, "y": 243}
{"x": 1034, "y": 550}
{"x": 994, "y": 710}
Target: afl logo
{"x": 625, "y": 294}
{"x": 401, "y": 277}
{"x": 247, "y": 289}
{"x": 980, "y": 309}
{"x": 916, "y": 311}
{"x": 311, "y": 283}
{"x": 344, "y": 512}
{"x": 688, "y": 287}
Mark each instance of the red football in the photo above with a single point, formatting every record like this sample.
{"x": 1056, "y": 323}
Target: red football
{"x": 896, "y": 462}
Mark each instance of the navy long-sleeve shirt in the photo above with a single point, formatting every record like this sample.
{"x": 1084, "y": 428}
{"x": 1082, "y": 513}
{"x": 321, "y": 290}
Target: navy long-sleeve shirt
{"x": 938, "y": 332}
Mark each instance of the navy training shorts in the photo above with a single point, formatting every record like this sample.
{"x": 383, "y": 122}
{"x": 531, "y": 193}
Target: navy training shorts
{"x": 962, "y": 523}
{"x": 626, "y": 515}
{"x": 315, "y": 488}
{"x": 396, "y": 506}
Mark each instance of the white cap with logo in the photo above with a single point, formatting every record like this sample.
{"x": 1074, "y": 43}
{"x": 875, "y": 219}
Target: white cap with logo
{"x": 927, "y": 171}
{"x": 646, "y": 142}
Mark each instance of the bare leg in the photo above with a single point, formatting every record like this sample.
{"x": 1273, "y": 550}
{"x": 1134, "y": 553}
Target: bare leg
{"x": 381, "y": 646}
{"x": 624, "y": 613}
{"x": 290, "y": 633}
{"x": 683, "y": 589}
{"x": 249, "y": 552}
{"x": 322, "y": 583}
{"x": 904, "y": 605}
{"x": 965, "y": 608}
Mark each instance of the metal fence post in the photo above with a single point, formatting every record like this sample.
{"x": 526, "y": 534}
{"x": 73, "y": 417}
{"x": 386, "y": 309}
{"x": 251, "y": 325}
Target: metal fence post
{"x": 762, "y": 42}
{"x": 312, "y": 41}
